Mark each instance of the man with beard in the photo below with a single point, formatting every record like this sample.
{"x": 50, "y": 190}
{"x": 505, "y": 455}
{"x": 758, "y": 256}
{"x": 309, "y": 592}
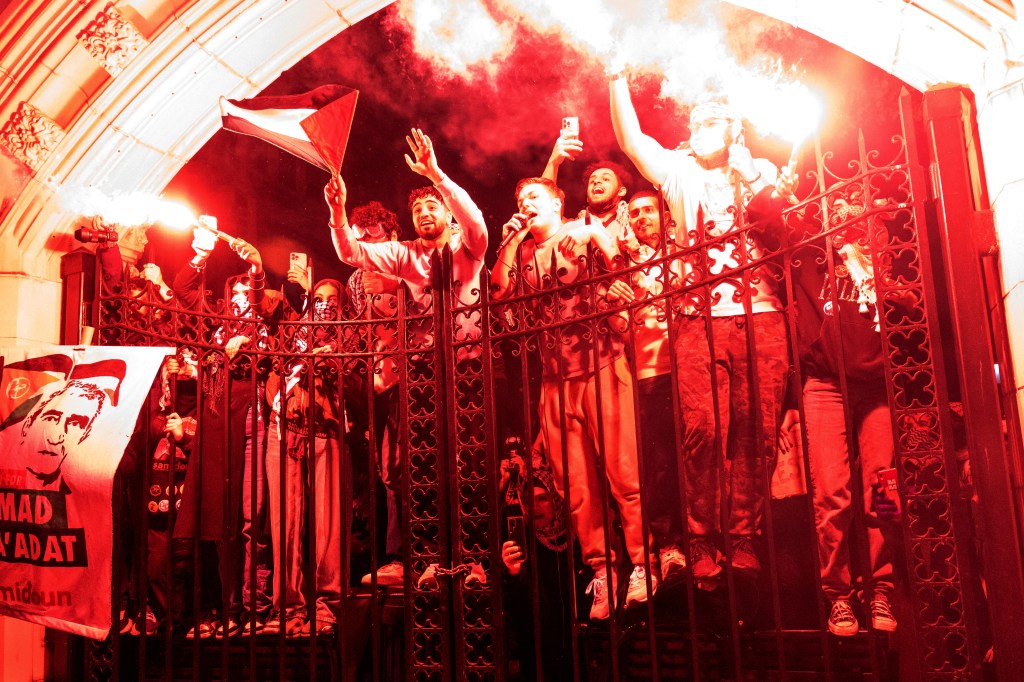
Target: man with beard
{"x": 608, "y": 184}
{"x": 711, "y": 186}
{"x": 652, "y": 364}
{"x": 289, "y": 396}
{"x": 434, "y": 213}
{"x": 433, "y": 210}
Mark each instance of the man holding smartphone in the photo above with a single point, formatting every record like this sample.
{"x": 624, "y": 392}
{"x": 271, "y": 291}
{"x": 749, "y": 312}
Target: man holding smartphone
{"x": 608, "y": 182}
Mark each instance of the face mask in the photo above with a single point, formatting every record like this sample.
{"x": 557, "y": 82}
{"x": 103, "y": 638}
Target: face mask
{"x": 239, "y": 303}
{"x": 325, "y": 309}
{"x": 707, "y": 142}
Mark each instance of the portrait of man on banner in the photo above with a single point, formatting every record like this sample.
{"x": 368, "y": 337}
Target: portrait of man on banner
{"x": 66, "y": 415}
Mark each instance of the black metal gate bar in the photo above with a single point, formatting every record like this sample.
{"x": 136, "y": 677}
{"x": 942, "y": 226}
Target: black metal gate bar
{"x": 797, "y": 377}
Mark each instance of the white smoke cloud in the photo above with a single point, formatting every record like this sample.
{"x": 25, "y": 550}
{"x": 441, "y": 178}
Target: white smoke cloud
{"x": 690, "y": 44}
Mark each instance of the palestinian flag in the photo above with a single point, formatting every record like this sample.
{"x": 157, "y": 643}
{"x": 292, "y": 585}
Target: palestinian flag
{"x": 21, "y": 382}
{"x": 313, "y": 126}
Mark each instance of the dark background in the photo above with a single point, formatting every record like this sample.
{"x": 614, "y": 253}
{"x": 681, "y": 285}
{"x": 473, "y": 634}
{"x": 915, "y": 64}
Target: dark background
{"x": 488, "y": 133}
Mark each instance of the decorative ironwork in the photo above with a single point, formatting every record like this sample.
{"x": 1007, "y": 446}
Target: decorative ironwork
{"x": 454, "y": 626}
{"x": 31, "y": 136}
{"x": 112, "y": 40}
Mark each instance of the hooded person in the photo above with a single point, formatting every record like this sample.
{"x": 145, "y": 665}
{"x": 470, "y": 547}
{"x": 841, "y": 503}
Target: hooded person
{"x": 304, "y": 399}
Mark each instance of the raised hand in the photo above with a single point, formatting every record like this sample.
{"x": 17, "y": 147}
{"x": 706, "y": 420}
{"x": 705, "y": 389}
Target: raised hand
{"x": 298, "y": 275}
{"x": 566, "y": 147}
{"x": 423, "y": 160}
{"x": 248, "y": 253}
{"x": 788, "y": 179}
{"x": 335, "y": 194}
{"x": 203, "y": 242}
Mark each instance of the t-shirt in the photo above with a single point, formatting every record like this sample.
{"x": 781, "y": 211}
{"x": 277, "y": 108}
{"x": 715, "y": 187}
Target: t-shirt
{"x": 696, "y": 197}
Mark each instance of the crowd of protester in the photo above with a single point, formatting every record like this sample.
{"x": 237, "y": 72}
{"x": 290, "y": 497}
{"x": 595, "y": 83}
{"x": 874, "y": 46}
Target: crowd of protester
{"x": 665, "y": 363}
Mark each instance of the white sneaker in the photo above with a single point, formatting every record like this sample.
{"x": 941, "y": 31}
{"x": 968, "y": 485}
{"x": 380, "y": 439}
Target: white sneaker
{"x": 841, "y": 620}
{"x": 599, "y": 588}
{"x": 388, "y": 575}
{"x": 637, "y": 592}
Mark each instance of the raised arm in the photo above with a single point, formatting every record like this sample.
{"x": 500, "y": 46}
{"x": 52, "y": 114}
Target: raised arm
{"x": 652, "y": 160}
{"x": 567, "y": 147}
{"x": 384, "y": 257}
{"x": 458, "y": 201}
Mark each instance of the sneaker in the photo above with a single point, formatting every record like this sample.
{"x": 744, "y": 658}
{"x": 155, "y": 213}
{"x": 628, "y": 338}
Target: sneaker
{"x": 637, "y": 592}
{"x": 599, "y": 588}
{"x": 146, "y": 623}
{"x": 254, "y": 628}
{"x": 323, "y": 629}
{"x": 673, "y": 562}
{"x": 388, "y": 575}
{"x": 743, "y": 556}
{"x": 881, "y": 614}
{"x": 841, "y": 621}
{"x": 150, "y": 625}
{"x": 125, "y": 622}
{"x": 705, "y": 559}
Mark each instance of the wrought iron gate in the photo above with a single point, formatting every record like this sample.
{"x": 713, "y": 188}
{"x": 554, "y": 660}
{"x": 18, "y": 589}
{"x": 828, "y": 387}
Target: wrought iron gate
{"x": 467, "y": 384}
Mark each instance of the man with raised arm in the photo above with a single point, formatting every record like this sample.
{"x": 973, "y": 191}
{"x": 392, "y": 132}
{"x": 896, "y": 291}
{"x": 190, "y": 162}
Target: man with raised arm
{"x": 608, "y": 183}
{"x": 711, "y": 186}
{"x": 433, "y": 210}
{"x": 580, "y": 360}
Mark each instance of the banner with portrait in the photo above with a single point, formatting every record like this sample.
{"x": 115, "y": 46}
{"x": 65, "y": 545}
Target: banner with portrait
{"x": 66, "y": 415}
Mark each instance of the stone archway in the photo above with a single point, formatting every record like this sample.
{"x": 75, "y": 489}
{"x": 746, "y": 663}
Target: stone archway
{"x": 120, "y": 95}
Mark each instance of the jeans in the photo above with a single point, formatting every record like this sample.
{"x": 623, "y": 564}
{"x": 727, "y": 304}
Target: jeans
{"x": 254, "y": 526}
{"x": 746, "y": 442}
{"x": 829, "y": 458}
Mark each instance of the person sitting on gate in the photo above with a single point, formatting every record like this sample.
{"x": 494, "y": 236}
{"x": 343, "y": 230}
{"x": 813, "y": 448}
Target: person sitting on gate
{"x": 709, "y": 186}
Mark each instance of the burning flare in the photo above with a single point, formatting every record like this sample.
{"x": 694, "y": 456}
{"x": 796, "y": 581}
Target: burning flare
{"x": 126, "y": 210}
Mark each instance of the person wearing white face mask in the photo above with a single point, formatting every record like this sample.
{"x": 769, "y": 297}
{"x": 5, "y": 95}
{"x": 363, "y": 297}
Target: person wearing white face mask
{"x": 713, "y": 187}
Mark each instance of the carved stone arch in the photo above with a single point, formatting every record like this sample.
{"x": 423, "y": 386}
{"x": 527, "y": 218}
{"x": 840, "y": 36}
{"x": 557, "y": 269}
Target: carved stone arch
{"x": 119, "y": 95}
